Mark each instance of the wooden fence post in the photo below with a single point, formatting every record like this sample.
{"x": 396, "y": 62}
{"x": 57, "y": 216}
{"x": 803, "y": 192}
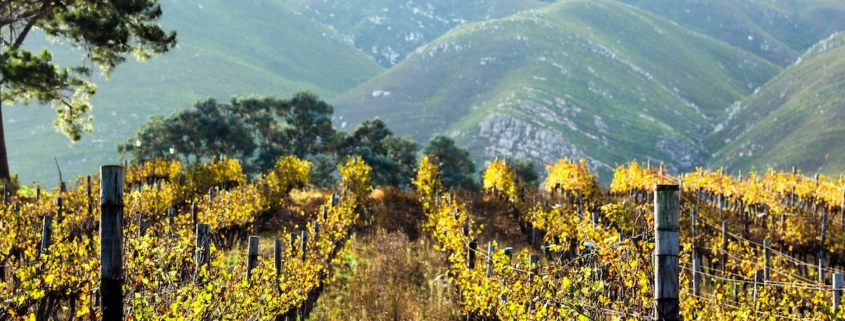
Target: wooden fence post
{"x": 696, "y": 276}
{"x": 252, "y": 257}
{"x": 194, "y": 212}
{"x": 89, "y": 199}
{"x": 473, "y": 246}
{"x": 667, "y": 250}
{"x": 277, "y": 257}
{"x": 821, "y": 247}
{"x": 203, "y": 243}
{"x": 533, "y": 262}
{"x": 489, "y": 259}
{"x": 724, "y": 246}
{"x": 111, "y": 241}
{"x": 142, "y": 227}
{"x": 304, "y": 241}
{"x": 46, "y": 233}
{"x": 60, "y": 205}
{"x": 509, "y": 252}
{"x": 696, "y": 261}
{"x": 767, "y": 250}
{"x": 837, "y": 291}
{"x": 325, "y": 211}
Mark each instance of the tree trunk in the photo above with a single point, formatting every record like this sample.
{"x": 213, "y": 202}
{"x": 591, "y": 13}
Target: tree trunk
{"x": 4, "y": 159}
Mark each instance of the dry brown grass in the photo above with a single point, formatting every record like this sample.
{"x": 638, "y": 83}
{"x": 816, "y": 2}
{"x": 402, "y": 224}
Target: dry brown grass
{"x": 386, "y": 276}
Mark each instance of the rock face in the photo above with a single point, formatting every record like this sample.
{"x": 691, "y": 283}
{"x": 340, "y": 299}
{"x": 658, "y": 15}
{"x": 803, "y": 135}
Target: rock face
{"x": 503, "y": 135}
{"x": 684, "y": 156}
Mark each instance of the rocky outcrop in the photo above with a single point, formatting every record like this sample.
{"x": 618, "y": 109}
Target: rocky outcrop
{"x": 503, "y": 135}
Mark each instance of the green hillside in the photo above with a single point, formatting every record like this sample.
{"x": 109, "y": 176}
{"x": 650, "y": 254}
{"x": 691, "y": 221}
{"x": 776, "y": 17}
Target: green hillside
{"x": 389, "y": 30}
{"x": 595, "y": 79}
{"x": 225, "y": 48}
{"x": 795, "y": 120}
{"x": 778, "y": 31}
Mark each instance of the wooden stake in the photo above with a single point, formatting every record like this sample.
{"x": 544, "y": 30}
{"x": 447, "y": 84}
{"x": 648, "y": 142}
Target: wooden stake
{"x": 46, "y": 233}
{"x": 203, "y": 243}
{"x": 837, "y": 291}
{"x": 489, "y": 259}
{"x": 767, "y": 250}
{"x": 533, "y": 266}
{"x": 252, "y": 256}
{"x": 111, "y": 242}
{"x": 667, "y": 251}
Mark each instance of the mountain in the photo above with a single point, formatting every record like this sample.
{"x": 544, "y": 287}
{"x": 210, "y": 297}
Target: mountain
{"x": 389, "y": 30}
{"x": 595, "y": 79}
{"x": 225, "y": 48}
{"x": 777, "y": 30}
{"x": 794, "y": 120}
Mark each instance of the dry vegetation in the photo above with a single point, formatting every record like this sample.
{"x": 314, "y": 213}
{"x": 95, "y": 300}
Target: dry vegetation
{"x": 391, "y": 271}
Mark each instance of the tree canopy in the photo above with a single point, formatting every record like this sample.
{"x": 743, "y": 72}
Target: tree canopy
{"x": 456, "y": 165}
{"x": 105, "y": 31}
{"x": 257, "y": 130}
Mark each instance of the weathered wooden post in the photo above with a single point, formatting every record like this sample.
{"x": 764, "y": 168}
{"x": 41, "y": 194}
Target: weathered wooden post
{"x": 821, "y": 246}
{"x": 837, "y": 291}
{"x": 533, "y": 266}
{"x": 696, "y": 261}
{"x": 142, "y": 227}
{"x": 90, "y": 201}
{"x": 46, "y": 233}
{"x": 325, "y": 211}
{"x": 767, "y": 253}
{"x": 252, "y": 257}
{"x": 60, "y": 208}
{"x": 203, "y": 243}
{"x": 316, "y": 230}
{"x": 724, "y": 246}
{"x": 194, "y": 212}
{"x": 696, "y": 276}
{"x": 111, "y": 241}
{"x": 489, "y": 259}
{"x": 277, "y": 256}
{"x": 38, "y": 193}
{"x": 304, "y": 241}
{"x": 473, "y": 246}
{"x": 667, "y": 250}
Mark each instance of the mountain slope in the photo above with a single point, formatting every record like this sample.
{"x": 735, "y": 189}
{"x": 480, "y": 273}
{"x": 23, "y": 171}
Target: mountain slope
{"x": 794, "y": 120}
{"x": 389, "y": 30}
{"x": 225, "y": 48}
{"x": 778, "y": 30}
{"x": 594, "y": 79}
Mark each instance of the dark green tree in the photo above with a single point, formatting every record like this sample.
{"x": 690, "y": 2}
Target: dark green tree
{"x": 309, "y": 123}
{"x": 392, "y": 158}
{"x": 456, "y": 165}
{"x": 270, "y": 137}
{"x": 106, "y": 31}
{"x": 207, "y": 129}
{"x": 526, "y": 171}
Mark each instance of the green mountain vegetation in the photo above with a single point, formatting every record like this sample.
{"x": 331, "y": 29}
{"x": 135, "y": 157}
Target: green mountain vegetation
{"x": 606, "y": 80}
{"x": 778, "y": 31}
{"x": 593, "y": 79}
{"x": 389, "y": 30}
{"x": 794, "y": 120}
{"x": 225, "y": 48}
